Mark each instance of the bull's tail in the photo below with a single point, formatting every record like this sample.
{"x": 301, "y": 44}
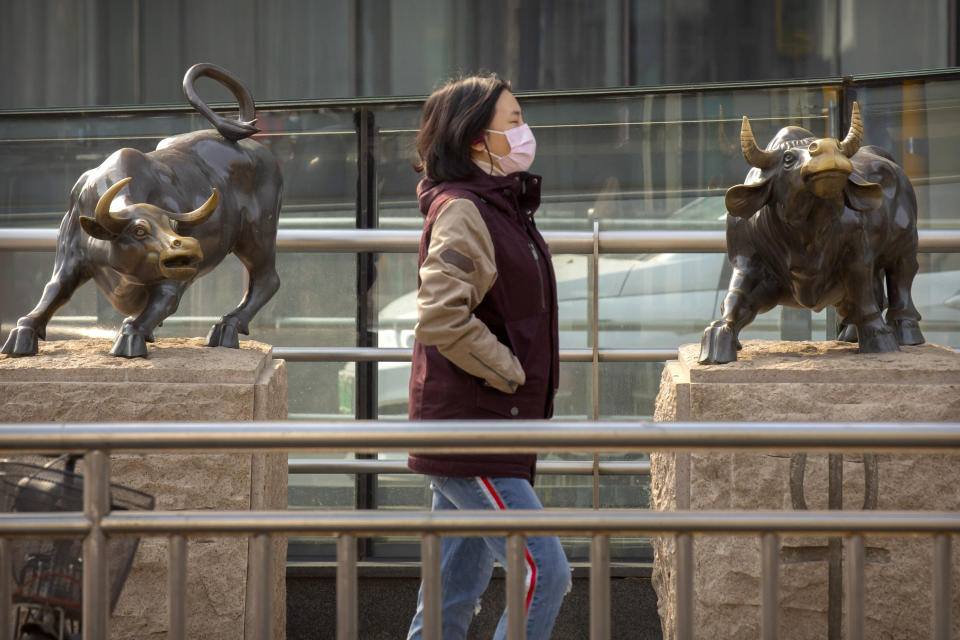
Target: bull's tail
{"x": 229, "y": 129}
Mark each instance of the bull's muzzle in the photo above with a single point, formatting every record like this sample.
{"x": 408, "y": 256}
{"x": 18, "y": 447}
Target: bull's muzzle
{"x": 182, "y": 260}
{"x": 825, "y": 173}
{"x": 179, "y": 266}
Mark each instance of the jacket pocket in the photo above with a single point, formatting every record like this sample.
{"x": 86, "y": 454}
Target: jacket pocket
{"x": 520, "y": 406}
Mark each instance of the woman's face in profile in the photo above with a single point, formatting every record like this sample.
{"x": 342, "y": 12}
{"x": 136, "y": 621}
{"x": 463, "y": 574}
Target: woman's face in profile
{"x": 506, "y": 115}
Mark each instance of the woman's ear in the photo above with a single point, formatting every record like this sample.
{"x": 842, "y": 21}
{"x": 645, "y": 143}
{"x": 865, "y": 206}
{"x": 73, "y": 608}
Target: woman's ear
{"x": 479, "y": 143}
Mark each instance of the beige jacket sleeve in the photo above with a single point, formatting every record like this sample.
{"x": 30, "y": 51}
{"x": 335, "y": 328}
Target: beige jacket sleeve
{"x": 455, "y": 276}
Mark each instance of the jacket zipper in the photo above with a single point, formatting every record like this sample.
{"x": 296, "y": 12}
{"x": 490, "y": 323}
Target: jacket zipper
{"x": 536, "y": 259}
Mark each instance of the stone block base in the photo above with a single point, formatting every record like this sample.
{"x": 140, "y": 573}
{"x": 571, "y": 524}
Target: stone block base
{"x": 806, "y": 381}
{"x": 77, "y": 381}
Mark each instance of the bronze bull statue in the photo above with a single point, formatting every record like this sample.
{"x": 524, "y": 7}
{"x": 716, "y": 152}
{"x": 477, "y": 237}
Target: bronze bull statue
{"x": 126, "y": 229}
{"x": 820, "y": 222}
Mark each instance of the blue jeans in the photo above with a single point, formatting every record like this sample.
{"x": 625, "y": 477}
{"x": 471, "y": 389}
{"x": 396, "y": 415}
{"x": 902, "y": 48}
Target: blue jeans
{"x": 467, "y": 563}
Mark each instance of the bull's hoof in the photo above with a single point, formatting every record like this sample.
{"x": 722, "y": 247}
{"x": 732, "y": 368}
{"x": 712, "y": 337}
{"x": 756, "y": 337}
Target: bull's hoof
{"x": 129, "y": 345}
{"x": 907, "y": 331}
{"x": 718, "y": 345}
{"x": 848, "y": 333}
{"x": 877, "y": 340}
{"x": 22, "y": 341}
{"x": 223, "y": 334}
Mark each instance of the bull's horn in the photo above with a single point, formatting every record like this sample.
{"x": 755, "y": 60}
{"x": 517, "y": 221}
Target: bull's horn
{"x": 851, "y": 144}
{"x": 102, "y": 212}
{"x": 201, "y": 214}
{"x": 756, "y": 156}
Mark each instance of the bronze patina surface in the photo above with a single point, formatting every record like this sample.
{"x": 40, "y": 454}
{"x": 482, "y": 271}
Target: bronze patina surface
{"x": 819, "y": 222}
{"x": 126, "y": 228}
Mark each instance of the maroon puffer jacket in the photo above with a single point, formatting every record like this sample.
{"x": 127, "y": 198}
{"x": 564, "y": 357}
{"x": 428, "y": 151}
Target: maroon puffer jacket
{"x": 520, "y": 310}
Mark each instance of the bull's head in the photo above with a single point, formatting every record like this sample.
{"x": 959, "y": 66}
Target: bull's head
{"x": 795, "y": 169}
{"x": 144, "y": 242}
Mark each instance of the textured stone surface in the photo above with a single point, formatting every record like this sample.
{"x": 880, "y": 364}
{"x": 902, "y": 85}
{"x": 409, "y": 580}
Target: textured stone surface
{"x": 78, "y": 381}
{"x": 805, "y": 381}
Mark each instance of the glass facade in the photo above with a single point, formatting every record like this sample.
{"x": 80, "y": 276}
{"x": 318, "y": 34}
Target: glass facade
{"x": 635, "y": 159}
{"x": 107, "y": 52}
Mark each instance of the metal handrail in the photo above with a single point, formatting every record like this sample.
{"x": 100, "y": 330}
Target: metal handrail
{"x": 945, "y": 74}
{"x": 97, "y": 522}
{"x": 544, "y": 467}
{"x": 374, "y": 354}
{"x": 491, "y": 436}
{"x": 404, "y": 241}
{"x": 617, "y": 522}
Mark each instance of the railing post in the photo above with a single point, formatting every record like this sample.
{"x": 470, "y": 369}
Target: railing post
{"x": 365, "y": 373}
{"x": 96, "y": 582}
{"x": 595, "y": 341}
{"x": 430, "y": 555}
{"x": 6, "y": 575}
{"x": 770, "y": 587}
{"x": 856, "y": 555}
{"x": 600, "y": 587}
{"x": 684, "y": 543}
{"x": 259, "y": 578}
{"x": 177, "y": 587}
{"x": 516, "y": 581}
{"x": 941, "y": 587}
{"x": 347, "y": 617}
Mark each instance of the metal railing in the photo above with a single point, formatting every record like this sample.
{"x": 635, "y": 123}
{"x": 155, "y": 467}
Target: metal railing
{"x": 96, "y": 522}
{"x": 399, "y": 241}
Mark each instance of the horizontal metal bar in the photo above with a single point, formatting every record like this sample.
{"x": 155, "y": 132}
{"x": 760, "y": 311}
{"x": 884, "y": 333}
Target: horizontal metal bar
{"x": 371, "y": 354}
{"x": 544, "y": 467}
{"x": 530, "y": 522}
{"x": 407, "y": 241}
{"x": 348, "y": 240}
{"x": 65, "y": 523}
{"x": 341, "y": 354}
{"x": 444, "y": 436}
{"x": 349, "y": 104}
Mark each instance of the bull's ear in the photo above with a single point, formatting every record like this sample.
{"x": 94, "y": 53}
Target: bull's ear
{"x": 744, "y": 200}
{"x": 91, "y": 226}
{"x": 861, "y": 194}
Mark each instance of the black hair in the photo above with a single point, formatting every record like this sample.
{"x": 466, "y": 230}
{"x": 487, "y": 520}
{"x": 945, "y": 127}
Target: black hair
{"x": 453, "y": 117}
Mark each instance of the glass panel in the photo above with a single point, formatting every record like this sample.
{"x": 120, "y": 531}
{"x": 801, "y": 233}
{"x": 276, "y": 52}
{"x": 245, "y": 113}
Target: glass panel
{"x": 397, "y": 151}
{"x": 647, "y": 161}
{"x": 45, "y": 154}
{"x": 635, "y": 160}
{"x": 918, "y": 123}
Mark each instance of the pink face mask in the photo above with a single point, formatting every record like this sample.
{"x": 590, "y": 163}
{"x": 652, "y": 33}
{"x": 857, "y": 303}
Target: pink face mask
{"x": 523, "y": 148}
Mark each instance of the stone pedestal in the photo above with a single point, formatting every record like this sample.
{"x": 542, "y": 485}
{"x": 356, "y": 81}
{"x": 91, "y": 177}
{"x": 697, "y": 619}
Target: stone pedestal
{"x": 806, "y": 381}
{"x": 77, "y": 381}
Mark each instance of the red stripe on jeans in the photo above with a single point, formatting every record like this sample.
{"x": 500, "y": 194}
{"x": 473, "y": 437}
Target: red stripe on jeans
{"x": 533, "y": 578}
{"x": 533, "y": 568}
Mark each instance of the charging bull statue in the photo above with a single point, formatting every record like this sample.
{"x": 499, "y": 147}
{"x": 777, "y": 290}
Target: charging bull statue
{"x": 820, "y": 222}
{"x": 146, "y": 225}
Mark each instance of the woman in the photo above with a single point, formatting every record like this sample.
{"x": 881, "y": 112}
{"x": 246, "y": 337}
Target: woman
{"x": 486, "y": 336}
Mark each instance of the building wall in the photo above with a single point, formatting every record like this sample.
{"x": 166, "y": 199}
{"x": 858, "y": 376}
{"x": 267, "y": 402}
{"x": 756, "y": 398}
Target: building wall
{"x": 109, "y": 52}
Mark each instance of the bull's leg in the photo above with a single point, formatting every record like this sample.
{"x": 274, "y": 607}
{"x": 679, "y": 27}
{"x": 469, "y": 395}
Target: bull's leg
{"x": 902, "y": 315}
{"x": 860, "y": 308}
{"x": 749, "y": 293}
{"x": 847, "y": 332}
{"x": 259, "y": 256}
{"x": 22, "y": 341}
{"x": 136, "y": 332}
